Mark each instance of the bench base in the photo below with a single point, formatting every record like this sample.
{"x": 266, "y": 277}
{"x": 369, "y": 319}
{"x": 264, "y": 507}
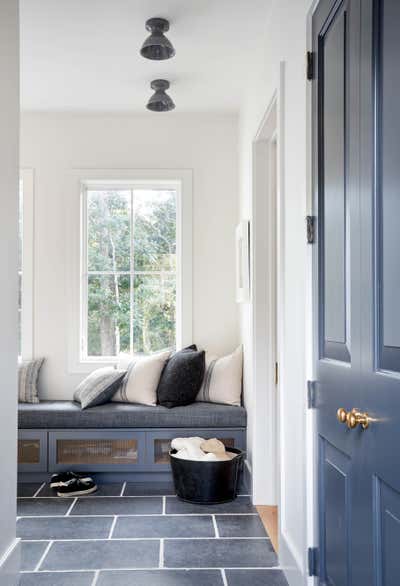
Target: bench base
{"x": 135, "y": 455}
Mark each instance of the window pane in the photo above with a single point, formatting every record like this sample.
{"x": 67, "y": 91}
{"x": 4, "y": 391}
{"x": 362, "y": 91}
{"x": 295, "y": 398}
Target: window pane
{"x": 108, "y": 230}
{"x": 108, "y": 315}
{"x": 154, "y": 312}
{"x": 154, "y": 230}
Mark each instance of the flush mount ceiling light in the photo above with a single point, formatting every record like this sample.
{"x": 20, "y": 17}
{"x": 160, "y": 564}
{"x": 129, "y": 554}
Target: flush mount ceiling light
{"x": 160, "y": 101}
{"x": 157, "y": 46}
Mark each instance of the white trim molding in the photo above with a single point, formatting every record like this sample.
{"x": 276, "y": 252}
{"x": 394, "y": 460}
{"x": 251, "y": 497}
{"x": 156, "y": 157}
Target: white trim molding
{"x": 27, "y": 178}
{"x": 77, "y": 182}
{"x": 10, "y": 563}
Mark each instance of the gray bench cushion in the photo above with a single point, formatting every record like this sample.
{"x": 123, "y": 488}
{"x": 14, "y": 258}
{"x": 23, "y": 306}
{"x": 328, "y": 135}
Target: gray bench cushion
{"x": 68, "y": 415}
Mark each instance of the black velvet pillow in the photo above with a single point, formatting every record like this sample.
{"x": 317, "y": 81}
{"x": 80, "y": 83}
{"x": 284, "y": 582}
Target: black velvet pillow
{"x": 181, "y": 378}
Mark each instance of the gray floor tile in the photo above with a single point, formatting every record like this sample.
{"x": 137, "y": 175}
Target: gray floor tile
{"x": 59, "y": 579}
{"x": 43, "y": 506}
{"x": 92, "y": 555}
{"x": 64, "y": 528}
{"x": 240, "y": 526}
{"x": 118, "y": 506}
{"x": 164, "y": 526}
{"x": 218, "y": 553}
{"x": 240, "y": 505}
{"x": 255, "y": 578}
{"x": 31, "y": 552}
{"x": 143, "y": 489}
{"x": 28, "y": 488}
{"x": 161, "y": 578}
{"x": 107, "y": 489}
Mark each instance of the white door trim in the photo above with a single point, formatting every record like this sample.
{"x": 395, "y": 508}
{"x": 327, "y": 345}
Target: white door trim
{"x": 267, "y": 247}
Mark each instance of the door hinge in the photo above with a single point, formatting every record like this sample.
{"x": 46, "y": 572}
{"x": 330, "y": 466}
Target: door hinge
{"x": 311, "y": 394}
{"x": 310, "y": 222}
{"x": 313, "y": 561}
{"x": 310, "y": 65}
{"x": 276, "y": 373}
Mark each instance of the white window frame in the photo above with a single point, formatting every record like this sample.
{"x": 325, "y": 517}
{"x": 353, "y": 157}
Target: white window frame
{"x": 27, "y": 177}
{"x": 77, "y": 184}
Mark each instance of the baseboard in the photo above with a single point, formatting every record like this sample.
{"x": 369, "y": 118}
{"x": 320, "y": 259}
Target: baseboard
{"x": 290, "y": 565}
{"x": 10, "y": 565}
{"x": 246, "y": 479}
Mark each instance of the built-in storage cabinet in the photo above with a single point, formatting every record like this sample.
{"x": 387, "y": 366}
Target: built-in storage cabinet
{"x": 97, "y": 451}
{"x": 32, "y": 450}
{"x": 158, "y": 443}
{"x": 111, "y": 450}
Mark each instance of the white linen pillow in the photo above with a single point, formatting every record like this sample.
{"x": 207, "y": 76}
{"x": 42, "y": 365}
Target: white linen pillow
{"x": 223, "y": 379}
{"x": 141, "y": 380}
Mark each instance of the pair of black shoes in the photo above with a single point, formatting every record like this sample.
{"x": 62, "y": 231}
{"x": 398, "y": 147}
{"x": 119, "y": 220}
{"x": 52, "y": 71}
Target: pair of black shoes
{"x": 72, "y": 484}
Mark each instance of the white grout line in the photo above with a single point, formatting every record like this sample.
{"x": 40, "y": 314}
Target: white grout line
{"x": 146, "y": 539}
{"x": 215, "y": 526}
{"x": 144, "y": 515}
{"x": 224, "y": 580}
{"x": 71, "y": 507}
{"x": 123, "y": 489}
{"x": 161, "y": 563}
{"x": 112, "y": 526}
{"x": 164, "y": 505}
{"x": 38, "y": 490}
{"x": 96, "y": 496}
{"x": 154, "y": 569}
{"x": 46, "y": 551}
{"x": 95, "y": 577}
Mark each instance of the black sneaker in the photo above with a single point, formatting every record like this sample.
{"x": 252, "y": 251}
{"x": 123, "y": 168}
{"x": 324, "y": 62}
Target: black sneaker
{"x": 64, "y": 477}
{"x": 77, "y": 487}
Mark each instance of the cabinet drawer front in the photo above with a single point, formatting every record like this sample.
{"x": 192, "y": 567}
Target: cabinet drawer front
{"x": 32, "y": 450}
{"x": 96, "y": 451}
{"x": 158, "y": 443}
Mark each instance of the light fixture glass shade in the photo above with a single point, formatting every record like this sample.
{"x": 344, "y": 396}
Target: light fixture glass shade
{"x": 157, "y": 46}
{"x": 160, "y": 101}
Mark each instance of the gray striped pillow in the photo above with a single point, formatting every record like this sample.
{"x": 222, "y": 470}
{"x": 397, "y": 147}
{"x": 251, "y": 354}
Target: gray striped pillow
{"x": 98, "y": 387}
{"x": 28, "y": 374}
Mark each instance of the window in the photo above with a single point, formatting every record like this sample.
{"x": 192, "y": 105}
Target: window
{"x": 129, "y": 270}
{"x": 25, "y": 264}
{"x": 129, "y": 263}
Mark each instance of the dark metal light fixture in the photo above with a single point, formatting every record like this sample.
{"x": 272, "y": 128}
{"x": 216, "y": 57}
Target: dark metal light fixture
{"x": 157, "y": 46}
{"x": 160, "y": 101}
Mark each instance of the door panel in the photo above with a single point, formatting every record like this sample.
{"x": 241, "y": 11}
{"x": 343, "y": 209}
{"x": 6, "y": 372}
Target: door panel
{"x": 387, "y": 26}
{"x": 335, "y": 488}
{"x": 334, "y": 224}
{"x": 386, "y": 534}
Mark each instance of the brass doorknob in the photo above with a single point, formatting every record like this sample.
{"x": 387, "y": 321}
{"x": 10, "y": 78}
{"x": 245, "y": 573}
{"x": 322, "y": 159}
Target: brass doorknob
{"x": 355, "y": 418}
{"x": 341, "y": 415}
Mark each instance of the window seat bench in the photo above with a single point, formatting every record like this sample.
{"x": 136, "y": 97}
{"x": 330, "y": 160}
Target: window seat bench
{"x": 116, "y": 441}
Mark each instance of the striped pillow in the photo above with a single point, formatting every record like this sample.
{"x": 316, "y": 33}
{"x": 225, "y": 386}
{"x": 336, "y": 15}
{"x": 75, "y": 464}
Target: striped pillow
{"x": 28, "y": 374}
{"x": 98, "y": 387}
{"x": 223, "y": 379}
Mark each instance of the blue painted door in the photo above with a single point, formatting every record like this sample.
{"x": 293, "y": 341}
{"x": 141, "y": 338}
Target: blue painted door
{"x": 356, "y": 170}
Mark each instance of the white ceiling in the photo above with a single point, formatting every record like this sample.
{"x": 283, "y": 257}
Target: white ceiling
{"x": 83, "y": 55}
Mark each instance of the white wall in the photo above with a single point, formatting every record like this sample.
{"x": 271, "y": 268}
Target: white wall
{"x": 285, "y": 40}
{"x": 52, "y": 144}
{"x": 9, "y": 122}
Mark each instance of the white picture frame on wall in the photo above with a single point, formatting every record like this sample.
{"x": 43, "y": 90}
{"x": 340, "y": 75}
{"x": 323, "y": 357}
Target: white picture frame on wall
{"x": 242, "y": 236}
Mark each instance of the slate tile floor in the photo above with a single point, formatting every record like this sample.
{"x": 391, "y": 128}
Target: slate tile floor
{"x": 124, "y": 535}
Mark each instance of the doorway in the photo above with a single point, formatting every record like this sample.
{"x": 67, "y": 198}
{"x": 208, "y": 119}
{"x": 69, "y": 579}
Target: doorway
{"x": 266, "y": 318}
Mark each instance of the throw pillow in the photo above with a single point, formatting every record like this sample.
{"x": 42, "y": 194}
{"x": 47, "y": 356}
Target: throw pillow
{"x": 28, "y": 375}
{"x": 140, "y": 382}
{"x": 182, "y": 377}
{"x": 223, "y": 379}
{"x": 99, "y": 387}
